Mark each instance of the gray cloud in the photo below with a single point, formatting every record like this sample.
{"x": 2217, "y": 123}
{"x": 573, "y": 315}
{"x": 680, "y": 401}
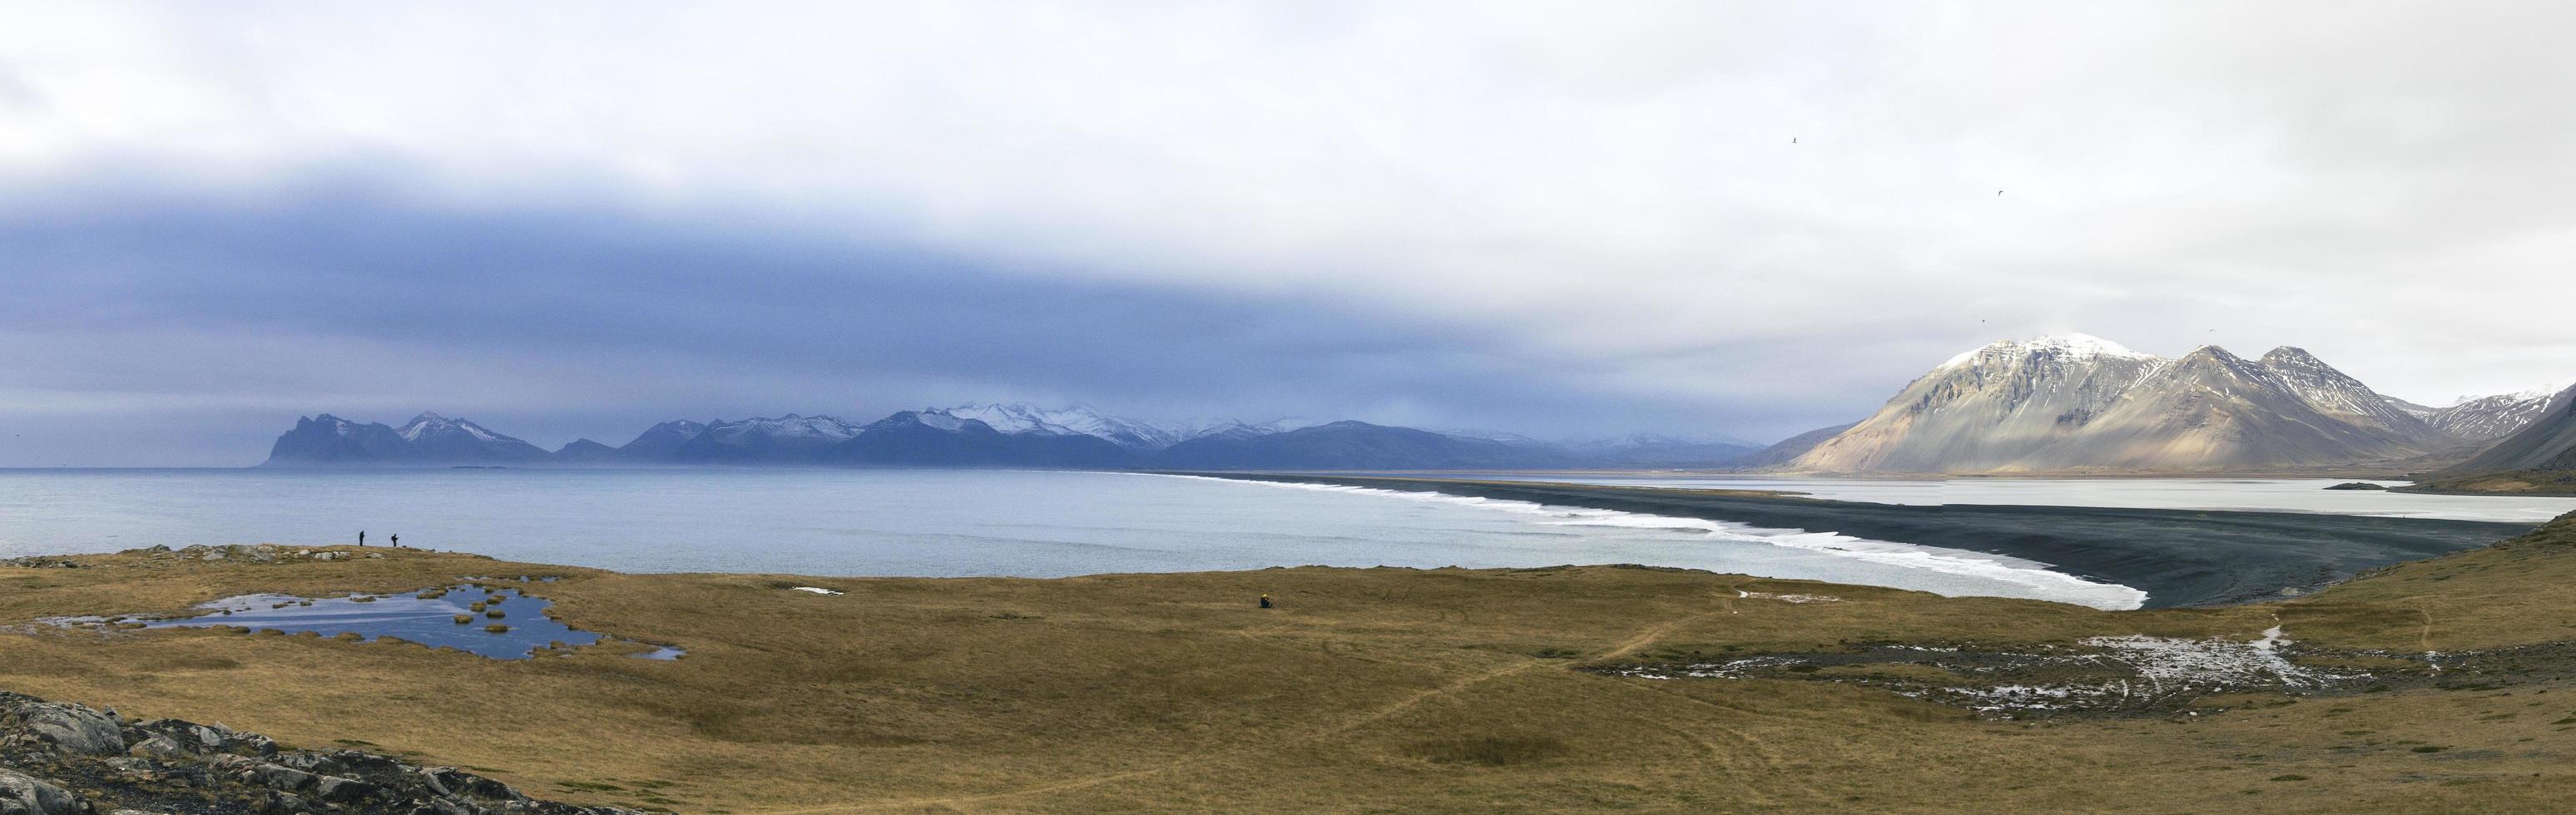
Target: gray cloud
{"x": 1531, "y": 216}
{"x": 229, "y": 319}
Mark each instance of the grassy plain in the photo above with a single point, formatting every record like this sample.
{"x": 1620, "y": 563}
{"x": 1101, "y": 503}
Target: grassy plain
{"x": 2521, "y": 482}
{"x": 1367, "y": 689}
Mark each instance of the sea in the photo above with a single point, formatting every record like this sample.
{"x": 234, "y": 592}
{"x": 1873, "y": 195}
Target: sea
{"x": 958, "y": 523}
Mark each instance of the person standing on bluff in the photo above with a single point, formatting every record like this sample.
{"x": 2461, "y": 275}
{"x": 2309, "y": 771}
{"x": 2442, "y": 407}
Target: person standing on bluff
{"x": 397, "y": 539}
{"x": 362, "y": 537}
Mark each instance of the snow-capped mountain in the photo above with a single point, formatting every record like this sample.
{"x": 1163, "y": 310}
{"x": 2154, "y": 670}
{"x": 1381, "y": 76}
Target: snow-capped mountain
{"x": 1231, "y": 430}
{"x": 2546, "y": 442}
{"x": 444, "y": 440}
{"x": 1076, "y": 420}
{"x": 1990, "y": 408}
{"x": 2494, "y": 417}
{"x": 991, "y": 435}
{"x": 2338, "y": 395}
{"x": 943, "y": 439}
{"x": 789, "y": 438}
{"x": 1239, "y": 429}
{"x": 2084, "y": 403}
{"x": 427, "y": 440}
{"x": 327, "y": 440}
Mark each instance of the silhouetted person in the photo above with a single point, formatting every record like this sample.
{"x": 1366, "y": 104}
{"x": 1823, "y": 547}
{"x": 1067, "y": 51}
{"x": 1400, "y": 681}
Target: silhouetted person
{"x": 397, "y": 539}
{"x": 1265, "y": 601}
{"x": 362, "y": 537}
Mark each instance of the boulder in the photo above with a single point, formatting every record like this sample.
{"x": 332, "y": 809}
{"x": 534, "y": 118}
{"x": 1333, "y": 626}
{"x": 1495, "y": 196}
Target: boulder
{"x": 455, "y": 782}
{"x": 281, "y": 778}
{"x": 198, "y": 768}
{"x": 337, "y": 790}
{"x": 161, "y": 746}
{"x": 22, "y": 794}
{"x": 200, "y": 739}
{"x": 70, "y": 728}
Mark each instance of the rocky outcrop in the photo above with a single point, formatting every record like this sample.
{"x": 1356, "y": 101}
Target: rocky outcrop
{"x": 67, "y": 759}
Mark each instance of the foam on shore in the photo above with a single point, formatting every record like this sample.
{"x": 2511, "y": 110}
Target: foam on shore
{"x": 2038, "y": 578}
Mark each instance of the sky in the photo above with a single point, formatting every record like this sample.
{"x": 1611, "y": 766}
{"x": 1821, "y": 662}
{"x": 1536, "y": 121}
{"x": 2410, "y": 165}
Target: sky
{"x": 1564, "y": 220}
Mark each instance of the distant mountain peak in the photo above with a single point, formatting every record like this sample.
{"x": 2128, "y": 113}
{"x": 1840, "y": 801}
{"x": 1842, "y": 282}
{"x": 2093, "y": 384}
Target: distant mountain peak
{"x": 2213, "y": 352}
{"x": 2067, "y": 346}
{"x": 427, "y": 440}
{"x": 2494, "y": 417}
{"x": 2078, "y": 402}
{"x": 2542, "y": 392}
{"x": 1074, "y": 420}
{"x": 429, "y": 424}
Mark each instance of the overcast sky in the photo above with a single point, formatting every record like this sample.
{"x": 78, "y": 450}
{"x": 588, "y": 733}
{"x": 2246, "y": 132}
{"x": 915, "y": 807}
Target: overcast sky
{"x": 1562, "y": 220}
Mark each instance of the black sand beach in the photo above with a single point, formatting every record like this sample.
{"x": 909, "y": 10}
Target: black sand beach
{"x": 2179, "y": 557}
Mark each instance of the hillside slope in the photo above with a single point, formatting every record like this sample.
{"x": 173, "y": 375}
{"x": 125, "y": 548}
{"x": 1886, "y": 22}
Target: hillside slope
{"x": 2079, "y": 403}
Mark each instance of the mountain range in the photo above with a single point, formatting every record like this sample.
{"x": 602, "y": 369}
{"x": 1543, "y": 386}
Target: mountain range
{"x": 2547, "y": 443}
{"x": 2076, "y": 403}
{"x": 990, "y": 435}
{"x": 2068, "y": 404}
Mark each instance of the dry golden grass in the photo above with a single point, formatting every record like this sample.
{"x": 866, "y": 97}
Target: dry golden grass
{"x": 1367, "y": 689}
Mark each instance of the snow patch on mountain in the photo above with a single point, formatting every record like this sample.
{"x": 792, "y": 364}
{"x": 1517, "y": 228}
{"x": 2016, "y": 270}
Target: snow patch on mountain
{"x": 949, "y": 422}
{"x": 430, "y": 424}
{"x": 2078, "y": 347}
{"x": 1076, "y": 420}
{"x": 2495, "y": 417}
{"x": 790, "y": 426}
{"x": 2079, "y": 402}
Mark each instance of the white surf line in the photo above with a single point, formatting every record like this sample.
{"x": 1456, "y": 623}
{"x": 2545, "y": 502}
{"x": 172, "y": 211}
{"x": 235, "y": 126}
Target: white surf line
{"x": 2052, "y": 585}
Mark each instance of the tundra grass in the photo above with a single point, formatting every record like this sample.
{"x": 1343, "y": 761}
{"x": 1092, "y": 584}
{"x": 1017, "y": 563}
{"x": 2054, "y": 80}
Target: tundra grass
{"x": 1366, "y": 689}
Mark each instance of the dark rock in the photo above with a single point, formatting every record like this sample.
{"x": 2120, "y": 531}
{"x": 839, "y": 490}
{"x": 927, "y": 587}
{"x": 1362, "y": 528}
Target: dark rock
{"x": 93, "y": 762}
{"x": 2356, "y": 485}
{"x": 460, "y": 783}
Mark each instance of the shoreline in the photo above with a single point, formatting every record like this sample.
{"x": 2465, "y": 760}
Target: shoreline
{"x": 2180, "y": 558}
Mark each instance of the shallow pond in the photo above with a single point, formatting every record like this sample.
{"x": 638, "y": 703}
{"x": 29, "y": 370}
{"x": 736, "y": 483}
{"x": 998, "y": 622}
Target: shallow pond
{"x": 499, "y": 623}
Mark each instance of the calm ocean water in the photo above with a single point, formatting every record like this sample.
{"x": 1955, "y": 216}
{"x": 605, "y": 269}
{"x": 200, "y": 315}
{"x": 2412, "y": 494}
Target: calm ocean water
{"x": 943, "y": 523}
{"x": 1013, "y": 523}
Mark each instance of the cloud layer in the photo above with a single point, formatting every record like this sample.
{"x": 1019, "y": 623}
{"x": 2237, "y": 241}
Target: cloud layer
{"x": 1544, "y": 218}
